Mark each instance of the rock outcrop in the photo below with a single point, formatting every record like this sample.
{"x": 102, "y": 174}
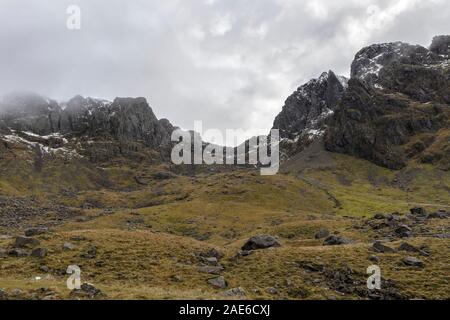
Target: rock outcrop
{"x": 396, "y": 107}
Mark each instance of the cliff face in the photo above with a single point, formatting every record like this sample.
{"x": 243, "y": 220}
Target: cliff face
{"x": 396, "y": 107}
{"x": 122, "y": 119}
{"x": 305, "y": 113}
{"x": 98, "y": 128}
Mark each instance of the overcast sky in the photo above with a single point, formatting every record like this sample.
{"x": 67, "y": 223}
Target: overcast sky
{"x": 230, "y": 63}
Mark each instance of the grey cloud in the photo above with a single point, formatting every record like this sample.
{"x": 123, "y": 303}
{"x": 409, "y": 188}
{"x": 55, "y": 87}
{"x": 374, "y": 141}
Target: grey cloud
{"x": 230, "y": 63}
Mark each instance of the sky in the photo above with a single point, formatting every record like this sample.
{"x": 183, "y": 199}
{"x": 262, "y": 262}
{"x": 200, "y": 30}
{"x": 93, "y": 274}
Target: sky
{"x": 228, "y": 63}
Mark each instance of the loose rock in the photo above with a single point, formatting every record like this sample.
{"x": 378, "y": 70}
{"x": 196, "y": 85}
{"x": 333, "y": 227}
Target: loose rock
{"x": 413, "y": 262}
{"x": 218, "y": 282}
{"x": 334, "y": 240}
{"x": 35, "y": 231}
{"x": 39, "y": 253}
{"x": 23, "y": 242}
{"x": 211, "y": 269}
{"x": 379, "y": 247}
{"x": 260, "y": 242}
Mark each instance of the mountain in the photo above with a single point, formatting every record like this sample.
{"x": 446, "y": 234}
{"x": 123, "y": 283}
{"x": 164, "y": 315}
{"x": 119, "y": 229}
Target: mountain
{"x": 365, "y": 181}
{"x": 99, "y": 129}
{"x": 394, "y": 108}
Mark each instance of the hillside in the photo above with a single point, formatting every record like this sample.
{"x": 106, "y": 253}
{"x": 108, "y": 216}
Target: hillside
{"x": 365, "y": 180}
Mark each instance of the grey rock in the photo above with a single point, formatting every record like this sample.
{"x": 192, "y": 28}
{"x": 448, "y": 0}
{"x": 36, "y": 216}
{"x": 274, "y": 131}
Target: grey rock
{"x": 413, "y": 262}
{"x": 44, "y": 269}
{"x": 35, "y": 231}
{"x": 260, "y": 242}
{"x": 379, "y": 247}
{"x": 211, "y": 269}
{"x": 22, "y": 242}
{"x": 211, "y": 261}
{"x": 212, "y": 253}
{"x": 404, "y": 246}
{"x": 403, "y": 231}
{"x": 418, "y": 211}
{"x": 3, "y": 253}
{"x": 322, "y": 233}
{"x": 218, "y": 282}
{"x": 374, "y": 259}
{"x": 39, "y": 253}
{"x": 334, "y": 240}
{"x": 17, "y": 252}
{"x": 87, "y": 290}
{"x": 441, "y": 214}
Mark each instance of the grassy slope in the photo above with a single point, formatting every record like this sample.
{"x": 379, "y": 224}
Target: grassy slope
{"x": 152, "y": 231}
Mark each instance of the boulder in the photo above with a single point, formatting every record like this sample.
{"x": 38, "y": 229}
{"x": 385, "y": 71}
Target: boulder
{"x": 379, "y": 247}
{"x": 413, "y": 262}
{"x": 211, "y": 261}
{"x": 418, "y": 211}
{"x": 403, "y": 231}
{"x": 322, "y": 233}
{"x": 410, "y": 248}
{"x": 441, "y": 214}
{"x": 218, "y": 282}
{"x": 23, "y": 242}
{"x": 211, "y": 269}
{"x": 87, "y": 290}
{"x": 212, "y": 253}
{"x": 17, "y": 252}
{"x": 260, "y": 242}
{"x": 334, "y": 240}
{"x": 39, "y": 253}
{"x": 35, "y": 231}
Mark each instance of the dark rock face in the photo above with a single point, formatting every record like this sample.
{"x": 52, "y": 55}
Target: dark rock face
{"x": 441, "y": 45}
{"x": 260, "y": 242}
{"x": 305, "y": 113}
{"x": 395, "y": 107}
{"x": 125, "y": 119}
{"x": 371, "y": 60}
{"x": 310, "y": 105}
{"x": 106, "y": 129}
